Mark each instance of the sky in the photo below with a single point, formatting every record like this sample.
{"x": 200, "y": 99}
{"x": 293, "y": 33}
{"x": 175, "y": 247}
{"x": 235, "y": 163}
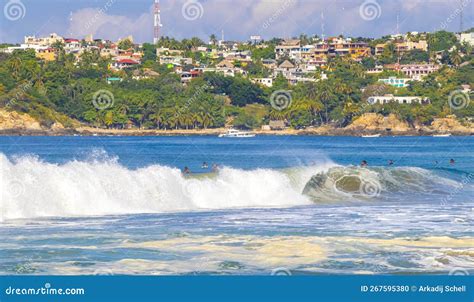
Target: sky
{"x": 237, "y": 19}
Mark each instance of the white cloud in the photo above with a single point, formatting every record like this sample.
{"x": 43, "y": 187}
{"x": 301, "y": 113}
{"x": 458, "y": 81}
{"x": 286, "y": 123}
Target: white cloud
{"x": 102, "y": 25}
{"x": 269, "y": 18}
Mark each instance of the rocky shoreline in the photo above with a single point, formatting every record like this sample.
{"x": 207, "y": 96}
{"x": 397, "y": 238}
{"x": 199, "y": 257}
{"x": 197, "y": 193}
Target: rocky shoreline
{"x": 216, "y": 132}
{"x": 16, "y": 124}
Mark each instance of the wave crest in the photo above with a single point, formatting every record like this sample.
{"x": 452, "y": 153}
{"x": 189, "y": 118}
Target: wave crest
{"x": 343, "y": 183}
{"x": 32, "y": 188}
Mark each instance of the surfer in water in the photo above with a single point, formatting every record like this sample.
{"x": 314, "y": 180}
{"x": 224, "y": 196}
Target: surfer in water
{"x": 204, "y": 165}
{"x": 364, "y": 164}
{"x": 391, "y": 162}
{"x": 452, "y": 162}
{"x": 186, "y": 171}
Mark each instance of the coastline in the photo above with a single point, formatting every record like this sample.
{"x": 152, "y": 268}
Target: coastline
{"x": 322, "y": 131}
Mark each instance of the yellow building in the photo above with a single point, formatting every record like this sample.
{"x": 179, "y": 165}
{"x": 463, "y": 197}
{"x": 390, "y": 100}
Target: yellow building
{"x": 46, "y": 54}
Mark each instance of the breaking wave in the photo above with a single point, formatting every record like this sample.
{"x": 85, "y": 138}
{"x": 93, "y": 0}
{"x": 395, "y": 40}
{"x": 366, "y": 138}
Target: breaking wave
{"x": 342, "y": 183}
{"x": 34, "y": 188}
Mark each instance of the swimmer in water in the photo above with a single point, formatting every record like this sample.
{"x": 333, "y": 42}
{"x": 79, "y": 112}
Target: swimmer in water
{"x": 391, "y": 162}
{"x": 452, "y": 162}
{"x": 364, "y": 164}
{"x": 186, "y": 171}
{"x": 204, "y": 165}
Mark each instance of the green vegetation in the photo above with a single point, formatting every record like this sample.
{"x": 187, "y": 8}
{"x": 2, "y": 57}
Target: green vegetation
{"x": 65, "y": 90}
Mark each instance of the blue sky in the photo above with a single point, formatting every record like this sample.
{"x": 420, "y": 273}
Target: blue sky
{"x": 238, "y": 19}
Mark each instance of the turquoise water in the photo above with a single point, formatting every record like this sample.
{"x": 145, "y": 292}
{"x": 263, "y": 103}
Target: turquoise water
{"x": 120, "y": 205}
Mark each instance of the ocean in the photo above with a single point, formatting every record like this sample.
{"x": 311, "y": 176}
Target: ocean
{"x": 285, "y": 205}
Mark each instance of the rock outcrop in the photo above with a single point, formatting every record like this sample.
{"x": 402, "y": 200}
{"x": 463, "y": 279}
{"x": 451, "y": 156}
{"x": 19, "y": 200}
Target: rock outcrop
{"x": 450, "y": 124}
{"x": 11, "y": 120}
{"x": 377, "y": 122}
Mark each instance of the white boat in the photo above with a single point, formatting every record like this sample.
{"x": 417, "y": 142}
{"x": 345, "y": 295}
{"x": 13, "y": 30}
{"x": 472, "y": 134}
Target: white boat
{"x": 372, "y": 136}
{"x": 233, "y": 133}
{"x": 442, "y": 135}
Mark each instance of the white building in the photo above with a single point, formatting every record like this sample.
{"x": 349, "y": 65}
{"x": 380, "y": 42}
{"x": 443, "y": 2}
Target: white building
{"x": 268, "y": 82}
{"x": 46, "y": 41}
{"x": 35, "y": 47}
{"x": 467, "y": 38}
{"x": 398, "y": 99}
{"x": 291, "y": 49}
{"x": 396, "y": 82}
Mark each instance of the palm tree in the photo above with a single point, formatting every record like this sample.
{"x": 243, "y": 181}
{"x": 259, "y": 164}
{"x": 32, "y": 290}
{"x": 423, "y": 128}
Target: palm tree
{"x": 188, "y": 119}
{"x": 213, "y": 39}
{"x": 278, "y": 115}
{"x": 123, "y": 109}
{"x": 314, "y": 106}
{"x": 15, "y": 66}
{"x": 325, "y": 95}
{"x": 433, "y": 57}
{"x": 455, "y": 58}
{"x": 158, "y": 117}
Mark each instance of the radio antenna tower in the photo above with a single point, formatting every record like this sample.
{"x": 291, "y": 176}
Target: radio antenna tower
{"x": 157, "y": 22}
{"x": 322, "y": 26}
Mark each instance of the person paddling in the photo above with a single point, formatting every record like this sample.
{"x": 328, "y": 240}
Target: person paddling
{"x": 186, "y": 171}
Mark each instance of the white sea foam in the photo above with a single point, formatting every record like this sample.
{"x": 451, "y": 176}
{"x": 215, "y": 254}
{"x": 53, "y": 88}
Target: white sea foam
{"x": 101, "y": 186}
{"x": 33, "y": 188}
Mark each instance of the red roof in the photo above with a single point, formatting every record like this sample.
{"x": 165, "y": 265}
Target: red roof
{"x": 71, "y": 40}
{"x": 127, "y": 61}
